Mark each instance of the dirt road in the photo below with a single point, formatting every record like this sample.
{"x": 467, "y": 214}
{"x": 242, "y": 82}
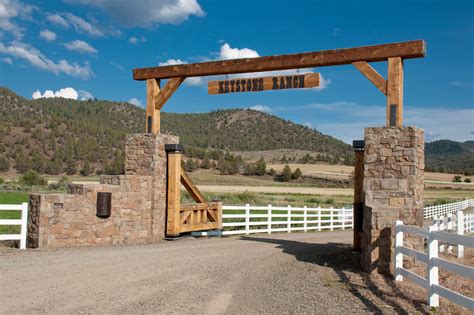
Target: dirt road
{"x": 284, "y": 273}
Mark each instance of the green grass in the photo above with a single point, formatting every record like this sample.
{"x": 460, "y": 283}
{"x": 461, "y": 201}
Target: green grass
{"x": 275, "y": 199}
{"x": 11, "y": 198}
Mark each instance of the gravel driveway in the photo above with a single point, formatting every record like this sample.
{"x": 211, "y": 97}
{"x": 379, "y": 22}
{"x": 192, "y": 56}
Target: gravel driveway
{"x": 279, "y": 273}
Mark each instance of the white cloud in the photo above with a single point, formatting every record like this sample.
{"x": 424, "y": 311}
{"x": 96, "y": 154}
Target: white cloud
{"x": 307, "y": 124}
{"x": 261, "y": 108}
{"x": 463, "y": 84}
{"x": 146, "y": 13}
{"x": 37, "y": 59}
{"x": 9, "y": 10}
{"x": 48, "y": 35}
{"x": 85, "y": 95}
{"x": 80, "y": 25}
{"x": 117, "y": 65}
{"x": 58, "y": 20}
{"x": 80, "y": 47}
{"x": 8, "y": 60}
{"x": 137, "y": 40}
{"x": 135, "y": 101}
{"x": 226, "y": 52}
{"x": 323, "y": 83}
{"x": 68, "y": 92}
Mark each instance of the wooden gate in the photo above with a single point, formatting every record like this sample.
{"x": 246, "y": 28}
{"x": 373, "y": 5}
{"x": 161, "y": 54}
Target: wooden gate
{"x": 182, "y": 218}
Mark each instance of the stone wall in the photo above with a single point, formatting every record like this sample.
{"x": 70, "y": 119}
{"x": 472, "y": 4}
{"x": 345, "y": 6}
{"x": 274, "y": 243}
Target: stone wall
{"x": 393, "y": 190}
{"x": 138, "y": 203}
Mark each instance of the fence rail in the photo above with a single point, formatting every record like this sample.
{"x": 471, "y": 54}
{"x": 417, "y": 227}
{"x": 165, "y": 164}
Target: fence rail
{"x": 249, "y": 219}
{"x": 439, "y": 210}
{"x": 22, "y": 222}
{"x": 433, "y": 262}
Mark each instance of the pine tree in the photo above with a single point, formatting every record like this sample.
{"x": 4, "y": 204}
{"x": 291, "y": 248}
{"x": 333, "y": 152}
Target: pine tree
{"x": 261, "y": 167}
{"x": 286, "y": 174}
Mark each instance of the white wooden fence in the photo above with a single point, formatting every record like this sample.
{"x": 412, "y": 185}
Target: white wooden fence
{"x": 249, "y": 219}
{"x": 459, "y": 223}
{"x": 433, "y": 262}
{"x": 453, "y": 207}
{"x": 23, "y": 222}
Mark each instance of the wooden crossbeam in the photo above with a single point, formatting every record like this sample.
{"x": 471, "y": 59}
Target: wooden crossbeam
{"x": 372, "y": 74}
{"x": 191, "y": 188}
{"x": 170, "y": 87}
{"x": 404, "y": 50}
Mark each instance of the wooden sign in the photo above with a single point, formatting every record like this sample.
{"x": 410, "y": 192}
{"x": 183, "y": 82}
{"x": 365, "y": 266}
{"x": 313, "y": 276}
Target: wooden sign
{"x": 299, "y": 81}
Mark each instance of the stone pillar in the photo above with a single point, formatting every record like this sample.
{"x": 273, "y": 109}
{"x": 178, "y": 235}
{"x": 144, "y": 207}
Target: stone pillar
{"x": 145, "y": 155}
{"x": 393, "y": 190}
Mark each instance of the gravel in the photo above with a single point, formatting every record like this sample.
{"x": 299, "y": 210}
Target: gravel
{"x": 278, "y": 273}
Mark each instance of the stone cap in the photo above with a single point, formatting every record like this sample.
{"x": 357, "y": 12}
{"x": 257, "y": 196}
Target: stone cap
{"x": 175, "y": 147}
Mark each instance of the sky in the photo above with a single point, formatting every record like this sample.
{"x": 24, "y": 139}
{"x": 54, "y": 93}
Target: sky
{"x": 84, "y": 49}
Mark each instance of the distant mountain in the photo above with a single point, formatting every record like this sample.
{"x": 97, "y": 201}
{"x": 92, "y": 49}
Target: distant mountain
{"x": 57, "y": 135}
{"x": 450, "y": 156}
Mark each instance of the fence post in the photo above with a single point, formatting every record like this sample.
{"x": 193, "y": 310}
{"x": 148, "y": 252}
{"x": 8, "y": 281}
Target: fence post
{"x": 441, "y": 227}
{"x": 433, "y": 298}
{"x": 24, "y": 224}
{"x": 398, "y": 254}
{"x": 319, "y": 218}
{"x": 289, "y": 219}
{"x": 269, "y": 227}
{"x": 460, "y": 223}
{"x": 305, "y": 219}
{"x": 343, "y": 217}
{"x": 247, "y": 219}
{"x": 449, "y": 228}
{"x": 332, "y": 219}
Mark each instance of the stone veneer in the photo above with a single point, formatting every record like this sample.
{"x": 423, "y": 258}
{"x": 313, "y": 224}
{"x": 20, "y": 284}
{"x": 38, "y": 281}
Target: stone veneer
{"x": 393, "y": 190}
{"x": 138, "y": 203}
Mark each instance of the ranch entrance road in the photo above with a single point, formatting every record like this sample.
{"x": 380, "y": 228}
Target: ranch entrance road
{"x": 278, "y": 273}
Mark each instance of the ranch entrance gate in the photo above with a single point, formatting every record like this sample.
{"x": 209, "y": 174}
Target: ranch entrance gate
{"x": 388, "y": 178}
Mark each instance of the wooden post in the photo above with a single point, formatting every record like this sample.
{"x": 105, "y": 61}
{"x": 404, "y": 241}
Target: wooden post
{"x": 358, "y": 208}
{"x": 395, "y": 92}
{"x": 152, "y": 114}
{"x": 173, "y": 192}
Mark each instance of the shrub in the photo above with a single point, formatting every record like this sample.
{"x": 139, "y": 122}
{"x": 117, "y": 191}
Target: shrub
{"x": 2, "y": 180}
{"x": 32, "y": 178}
{"x": 4, "y": 164}
{"x": 296, "y": 174}
{"x": 467, "y": 180}
{"x": 329, "y": 201}
{"x": 457, "y": 179}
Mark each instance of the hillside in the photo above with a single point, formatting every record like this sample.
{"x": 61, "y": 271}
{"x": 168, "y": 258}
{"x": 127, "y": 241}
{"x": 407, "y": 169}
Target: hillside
{"x": 58, "y": 135}
{"x": 448, "y": 155}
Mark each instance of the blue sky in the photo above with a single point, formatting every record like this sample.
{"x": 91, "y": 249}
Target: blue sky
{"x": 84, "y": 48}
